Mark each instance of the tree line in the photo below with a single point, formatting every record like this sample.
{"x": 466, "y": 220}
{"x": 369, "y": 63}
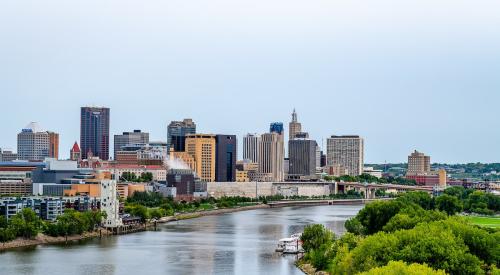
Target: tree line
{"x": 412, "y": 234}
{"x": 372, "y": 179}
{"x": 26, "y": 224}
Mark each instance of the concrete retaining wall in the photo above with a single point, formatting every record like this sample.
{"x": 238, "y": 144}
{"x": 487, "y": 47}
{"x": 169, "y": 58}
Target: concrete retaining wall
{"x": 248, "y": 189}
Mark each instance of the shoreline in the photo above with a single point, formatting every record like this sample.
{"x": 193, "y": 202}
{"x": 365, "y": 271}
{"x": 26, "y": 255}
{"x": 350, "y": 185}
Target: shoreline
{"x": 46, "y": 239}
{"x": 42, "y": 239}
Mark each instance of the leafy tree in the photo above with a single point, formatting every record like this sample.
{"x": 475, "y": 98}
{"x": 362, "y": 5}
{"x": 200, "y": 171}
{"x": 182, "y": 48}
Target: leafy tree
{"x": 315, "y": 236}
{"x": 411, "y": 216}
{"x": 420, "y": 198}
{"x": 449, "y": 204}
{"x": 375, "y": 215}
{"x": 138, "y": 211}
{"x": 26, "y": 223}
{"x": 401, "y": 268}
{"x": 427, "y": 243}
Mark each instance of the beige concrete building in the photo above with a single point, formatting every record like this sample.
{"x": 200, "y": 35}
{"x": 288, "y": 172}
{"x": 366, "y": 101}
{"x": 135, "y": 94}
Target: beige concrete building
{"x": 346, "y": 152}
{"x": 418, "y": 164}
{"x": 294, "y": 126}
{"x": 271, "y": 156}
{"x": 183, "y": 157}
{"x": 201, "y": 147}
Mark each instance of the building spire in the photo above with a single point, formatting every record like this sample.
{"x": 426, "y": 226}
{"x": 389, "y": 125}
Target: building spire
{"x": 294, "y": 116}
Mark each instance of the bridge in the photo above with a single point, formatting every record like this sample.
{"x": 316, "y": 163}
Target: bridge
{"x": 285, "y": 203}
{"x": 369, "y": 189}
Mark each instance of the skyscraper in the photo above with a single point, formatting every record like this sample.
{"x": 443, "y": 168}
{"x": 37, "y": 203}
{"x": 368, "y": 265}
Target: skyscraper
{"x": 346, "y": 152}
{"x": 276, "y": 127}
{"x": 251, "y": 147}
{"x": 53, "y": 145}
{"x": 129, "y": 138}
{"x": 294, "y": 127}
{"x": 225, "y": 158}
{"x": 94, "y": 132}
{"x": 177, "y": 132}
{"x": 33, "y": 143}
{"x": 302, "y": 158}
{"x": 271, "y": 156}
{"x": 418, "y": 163}
{"x": 202, "y": 148}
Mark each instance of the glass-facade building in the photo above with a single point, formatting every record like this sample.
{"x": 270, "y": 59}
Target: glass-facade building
{"x": 94, "y": 132}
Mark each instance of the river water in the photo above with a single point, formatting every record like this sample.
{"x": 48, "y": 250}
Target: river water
{"x": 235, "y": 243}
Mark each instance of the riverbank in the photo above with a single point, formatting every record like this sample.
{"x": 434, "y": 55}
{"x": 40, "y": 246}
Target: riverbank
{"x": 198, "y": 214}
{"x": 45, "y": 239}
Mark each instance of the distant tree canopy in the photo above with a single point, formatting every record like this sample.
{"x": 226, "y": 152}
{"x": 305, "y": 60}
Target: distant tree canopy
{"x": 372, "y": 179}
{"x": 132, "y": 177}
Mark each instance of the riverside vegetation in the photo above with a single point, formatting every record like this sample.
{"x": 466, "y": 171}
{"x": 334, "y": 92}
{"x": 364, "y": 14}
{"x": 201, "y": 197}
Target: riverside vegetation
{"x": 413, "y": 234}
{"x": 28, "y": 225}
{"x": 148, "y": 205}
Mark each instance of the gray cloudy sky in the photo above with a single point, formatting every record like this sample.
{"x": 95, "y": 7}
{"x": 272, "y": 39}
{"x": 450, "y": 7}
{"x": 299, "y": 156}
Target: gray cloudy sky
{"x": 418, "y": 74}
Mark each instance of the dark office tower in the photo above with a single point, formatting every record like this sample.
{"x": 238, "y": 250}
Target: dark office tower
{"x": 276, "y": 127}
{"x": 94, "y": 132}
{"x": 177, "y": 131}
{"x": 225, "y": 158}
{"x": 302, "y": 154}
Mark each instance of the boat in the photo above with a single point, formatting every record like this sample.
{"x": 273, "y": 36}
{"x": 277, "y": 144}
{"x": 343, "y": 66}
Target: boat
{"x": 292, "y": 245}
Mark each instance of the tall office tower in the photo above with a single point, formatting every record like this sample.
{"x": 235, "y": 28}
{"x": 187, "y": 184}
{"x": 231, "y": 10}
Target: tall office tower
{"x": 177, "y": 132}
{"x": 53, "y": 145}
{"x": 94, "y": 132}
{"x": 75, "y": 153}
{"x": 346, "y": 152}
{"x": 251, "y": 147}
{"x": 129, "y": 138}
{"x": 33, "y": 143}
{"x": 318, "y": 156}
{"x": 294, "y": 126}
{"x": 202, "y": 148}
{"x": 272, "y": 155}
{"x": 225, "y": 158}
{"x": 302, "y": 158}
{"x": 418, "y": 163}
{"x": 277, "y": 127}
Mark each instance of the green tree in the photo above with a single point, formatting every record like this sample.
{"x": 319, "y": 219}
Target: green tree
{"x": 420, "y": 198}
{"x": 316, "y": 235}
{"x": 375, "y": 215}
{"x": 401, "y": 268}
{"x": 449, "y": 204}
{"x": 26, "y": 223}
{"x": 411, "y": 216}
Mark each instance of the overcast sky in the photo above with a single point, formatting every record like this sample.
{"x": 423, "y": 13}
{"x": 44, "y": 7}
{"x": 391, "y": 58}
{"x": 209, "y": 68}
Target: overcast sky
{"x": 419, "y": 74}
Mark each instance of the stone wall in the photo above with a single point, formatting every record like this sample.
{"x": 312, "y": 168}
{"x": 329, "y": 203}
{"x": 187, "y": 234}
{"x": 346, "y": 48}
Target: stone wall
{"x": 247, "y": 189}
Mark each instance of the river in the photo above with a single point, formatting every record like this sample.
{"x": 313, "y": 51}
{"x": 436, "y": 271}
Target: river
{"x": 235, "y": 243}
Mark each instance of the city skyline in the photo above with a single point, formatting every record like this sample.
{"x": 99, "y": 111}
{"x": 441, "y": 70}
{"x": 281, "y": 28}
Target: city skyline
{"x": 65, "y": 152}
{"x": 371, "y": 69}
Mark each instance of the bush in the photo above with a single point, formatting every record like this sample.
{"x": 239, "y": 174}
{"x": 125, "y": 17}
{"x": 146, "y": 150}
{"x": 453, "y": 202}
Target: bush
{"x": 401, "y": 268}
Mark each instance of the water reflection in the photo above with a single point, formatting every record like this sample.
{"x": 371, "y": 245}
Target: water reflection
{"x": 237, "y": 243}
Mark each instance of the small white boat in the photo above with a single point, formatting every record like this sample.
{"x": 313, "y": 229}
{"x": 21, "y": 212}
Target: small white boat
{"x": 292, "y": 245}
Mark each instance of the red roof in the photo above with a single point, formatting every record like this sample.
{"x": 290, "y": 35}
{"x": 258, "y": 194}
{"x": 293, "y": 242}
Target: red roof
{"x": 76, "y": 148}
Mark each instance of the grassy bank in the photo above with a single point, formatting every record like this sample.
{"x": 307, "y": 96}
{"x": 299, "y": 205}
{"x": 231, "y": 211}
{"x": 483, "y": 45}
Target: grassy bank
{"x": 492, "y": 222}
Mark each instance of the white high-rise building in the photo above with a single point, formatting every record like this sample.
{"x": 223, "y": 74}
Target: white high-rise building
{"x": 346, "y": 152}
{"x": 110, "y": 204}
{"x": 271, "y": 156}
{"x": 251, "y": 147}
{"x": 33, "y": 143}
